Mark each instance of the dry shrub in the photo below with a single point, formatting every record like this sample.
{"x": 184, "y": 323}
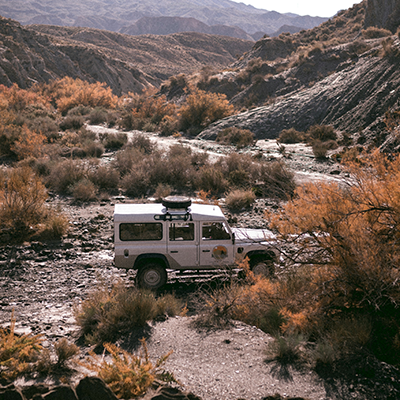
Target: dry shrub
{"x": 108, "y": 314}
{"x": 114, "y": 141}
{"x": 389, "y": 49}
{"x": 210, "y": 179}
{"x": 92, "y": 148}
{"x": 28, "y": 144}
{"x": 18, "y": 353}
{"x": 22, "y": 197}
{"x": 98, "y": 116}
{"x": 275, "y": 180}
{"x": 320, "y": 149}
{"x": 162, "y": 191}
{"x": 201, "y": 109}
{"x": 55, "y": 226}
{"x": 65, "y": 174}
{"x": 45, "y": 126}
{"x": 129, "y": 375}
{"x": 238, "y": 137}
{"x": 324, "y": 133}
{"x": 346, "y": 243}
{"x": 374, "y": 32}
{"x": 143, "y": 143}
{"x": 291, "y": 136}
{"x": 15, "y": 99}
{"x": 65, "y": 351}
{"x": 105, "y": 178}
{"x": 69, "y": 93}
{"x": 240, "y": 199}
{"x": 84, "y": 190}
{"x": 74, "y": 122}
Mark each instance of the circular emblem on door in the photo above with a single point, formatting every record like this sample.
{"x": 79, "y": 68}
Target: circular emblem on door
{"x": 220, "y": 252}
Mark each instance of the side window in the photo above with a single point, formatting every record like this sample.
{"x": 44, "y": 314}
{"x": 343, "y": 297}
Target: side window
{"x": 215, "y": 231}
{"x": 181, "y": 231}
{"x": 140, "y": 231}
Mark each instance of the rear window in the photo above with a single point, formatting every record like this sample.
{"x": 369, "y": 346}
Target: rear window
{"x": 140, "y": 232}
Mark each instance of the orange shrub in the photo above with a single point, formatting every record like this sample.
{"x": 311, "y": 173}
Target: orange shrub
{"x": 68, "y": 93}
{"x": 201, "y": 109}
{"x": 29, "y": 144}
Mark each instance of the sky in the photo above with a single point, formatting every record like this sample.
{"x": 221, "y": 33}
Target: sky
{"x": 315, "y": 8}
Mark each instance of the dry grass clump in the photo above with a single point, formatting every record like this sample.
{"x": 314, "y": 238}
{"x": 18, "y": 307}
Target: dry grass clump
{"x": 239, "y": 199}
{"x": 110, "y": 313}
{"x": 65, "y": 175}
{"x": 84, "y": 190}
{"x": 129, "y": 375}
{"x": 235, "y": 136}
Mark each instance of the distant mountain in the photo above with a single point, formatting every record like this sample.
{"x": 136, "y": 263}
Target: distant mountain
{"x": 168, "y": 25}
{"x": 122, "y": 15}
{"x": 125, "y": 63}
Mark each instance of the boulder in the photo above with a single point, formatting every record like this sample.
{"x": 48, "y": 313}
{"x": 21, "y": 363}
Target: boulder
{"x": 93, "y": 388}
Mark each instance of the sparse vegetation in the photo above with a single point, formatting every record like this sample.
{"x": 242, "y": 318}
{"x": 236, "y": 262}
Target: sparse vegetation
{"x": 109, "y": 313}
{"x": 130, "y": 375}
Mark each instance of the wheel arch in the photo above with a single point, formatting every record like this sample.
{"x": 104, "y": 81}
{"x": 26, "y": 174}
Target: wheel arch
{"x": 262, "y": 254}
{"x": 143, "y": 259}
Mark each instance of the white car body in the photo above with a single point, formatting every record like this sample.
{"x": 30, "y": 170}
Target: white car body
{"x": 197, "y": 237}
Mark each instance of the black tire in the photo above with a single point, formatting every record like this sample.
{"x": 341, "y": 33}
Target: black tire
{"x": 151, "y": 276}
{"x": 176, "y": 202}
{"x": 263, "y": 266}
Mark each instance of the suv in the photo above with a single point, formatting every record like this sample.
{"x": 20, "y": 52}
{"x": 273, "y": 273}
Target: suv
{"x": 179, "y": 235}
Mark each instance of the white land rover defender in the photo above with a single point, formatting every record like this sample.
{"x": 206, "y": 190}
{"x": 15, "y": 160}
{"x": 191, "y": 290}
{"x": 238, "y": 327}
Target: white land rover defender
{"x": 179, "y": 235}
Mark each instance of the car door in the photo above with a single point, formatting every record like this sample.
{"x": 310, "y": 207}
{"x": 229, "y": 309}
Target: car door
{"x": 182, "y": 243}
{"x": 216, "y": 248}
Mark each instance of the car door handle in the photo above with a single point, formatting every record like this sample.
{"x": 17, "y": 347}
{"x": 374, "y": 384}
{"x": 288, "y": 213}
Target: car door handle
{"x": 206, "y": 251}
{"x": 174, "y": 251}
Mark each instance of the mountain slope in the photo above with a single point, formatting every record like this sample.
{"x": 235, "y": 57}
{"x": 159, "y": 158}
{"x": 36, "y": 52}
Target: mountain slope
{"x": 115, "y": 15}
{"x": 352, "y": 99}
{"x": 123, "y": 62}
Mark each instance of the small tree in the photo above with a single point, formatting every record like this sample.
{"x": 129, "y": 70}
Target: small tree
{"x": 347, "y": 239}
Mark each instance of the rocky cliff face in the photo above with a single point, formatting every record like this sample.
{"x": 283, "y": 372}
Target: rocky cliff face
{"x": 383, "y": 14}
{"x": 353, "y": 100}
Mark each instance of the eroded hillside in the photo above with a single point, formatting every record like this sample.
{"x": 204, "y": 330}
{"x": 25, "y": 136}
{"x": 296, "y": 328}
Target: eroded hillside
{"x": 125, "y": 63}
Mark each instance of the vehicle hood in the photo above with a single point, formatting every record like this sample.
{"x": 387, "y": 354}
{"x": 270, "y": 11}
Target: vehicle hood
{"x": 253, "y": 235}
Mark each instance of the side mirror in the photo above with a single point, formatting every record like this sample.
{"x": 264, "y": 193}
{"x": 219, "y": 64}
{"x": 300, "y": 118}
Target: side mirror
{"x": 233, "y": 238}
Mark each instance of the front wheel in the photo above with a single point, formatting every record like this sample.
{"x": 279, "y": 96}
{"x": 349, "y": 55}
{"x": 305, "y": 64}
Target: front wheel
{"x": 262, "y": 266}
{"x": 151, "y": 276}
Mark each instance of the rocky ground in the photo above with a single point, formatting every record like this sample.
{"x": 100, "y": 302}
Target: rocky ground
{"x": 43, "y": 282}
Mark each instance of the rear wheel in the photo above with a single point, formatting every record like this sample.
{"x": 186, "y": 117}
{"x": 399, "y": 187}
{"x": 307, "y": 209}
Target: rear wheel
{"x": 151, "y": 276}
{"x": 263, "y": 266}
